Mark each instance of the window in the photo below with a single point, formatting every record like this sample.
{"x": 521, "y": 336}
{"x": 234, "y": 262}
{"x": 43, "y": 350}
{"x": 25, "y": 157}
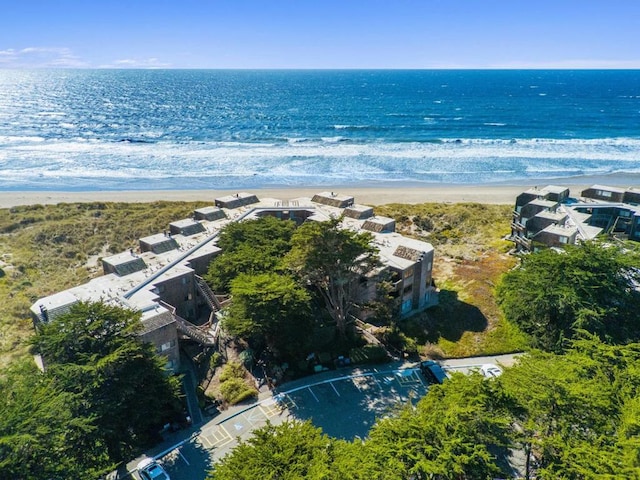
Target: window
{"x": 562, "y": 239}
{"x": 406, "y": 306}
{"x": 407, "y": 273}
{"x": 603, "y": 193}
{"x": 166, "y": 346}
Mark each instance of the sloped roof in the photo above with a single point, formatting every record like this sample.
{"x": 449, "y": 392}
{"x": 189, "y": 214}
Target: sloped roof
{"x": 408, "y": 253}
{"x": 333, "y": 199}
{"x": 187, "y": 227}
{"x": 151, "y": 322}
{"x": 379, "y": 224}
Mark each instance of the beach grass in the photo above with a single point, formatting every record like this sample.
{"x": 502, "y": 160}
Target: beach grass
{"x": 471, "y": 256}
{"x": 49, "y": 248}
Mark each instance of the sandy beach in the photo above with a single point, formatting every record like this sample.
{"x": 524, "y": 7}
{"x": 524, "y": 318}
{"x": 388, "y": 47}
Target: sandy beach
{"x": 364, "y": 195}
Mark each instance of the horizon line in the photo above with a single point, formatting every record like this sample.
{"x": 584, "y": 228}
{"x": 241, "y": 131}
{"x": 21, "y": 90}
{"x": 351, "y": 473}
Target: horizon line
{"x": 458, "y": 68}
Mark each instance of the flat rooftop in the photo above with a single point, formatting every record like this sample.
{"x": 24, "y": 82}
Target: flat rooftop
{"x": 608, "y": 188}
{"x": 543, "y": 203}
{"x": 136, "y": 289}
{"x": 398, "y": 251}
{"x": 561, "y": 231}
{"x": 556, "y": 216}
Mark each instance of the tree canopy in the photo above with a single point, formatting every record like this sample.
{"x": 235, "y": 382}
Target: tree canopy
{"x": 592, "y": 286}
{"x": 251, "y": 247}
{"x": 333, "y": 260}
{"x": 577, "y": 413}
{"x": 292, "y": 450}
{"x": 270, "y": 308}
{"x": 573, "y": 416}
{"x": 103, "y": 396}
{"x": 268, "y": 266}
{"x": 453, "y": 433}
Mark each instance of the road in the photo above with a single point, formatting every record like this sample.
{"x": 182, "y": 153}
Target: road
{"x": 345, "y": 403}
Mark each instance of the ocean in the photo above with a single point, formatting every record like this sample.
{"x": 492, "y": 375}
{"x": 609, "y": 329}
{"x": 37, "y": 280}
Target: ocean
{"x": 84, "y": 130}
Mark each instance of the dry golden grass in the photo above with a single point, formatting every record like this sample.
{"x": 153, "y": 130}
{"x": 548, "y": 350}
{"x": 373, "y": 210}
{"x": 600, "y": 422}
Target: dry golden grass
{"x": 471, "y": 255}
{"x": 48, "y": 248}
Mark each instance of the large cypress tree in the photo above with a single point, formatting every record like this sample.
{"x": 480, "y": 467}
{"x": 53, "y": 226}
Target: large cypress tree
{"x": 116, "y": 384}
{"x": 591, "y": 287}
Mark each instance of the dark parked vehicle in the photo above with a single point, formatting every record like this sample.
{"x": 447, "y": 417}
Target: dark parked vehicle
{"x": 432, "y": 371}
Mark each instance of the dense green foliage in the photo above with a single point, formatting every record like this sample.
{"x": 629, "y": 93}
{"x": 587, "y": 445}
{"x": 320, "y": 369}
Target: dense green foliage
{"x": 553, "y": 294}
{"x": 453, "y": 433}
{"x": 268, "y": 265}
{"x": 333, "y": 260}
{"x": 233, "y": 385}
{"x": 291, "y": 450}
{"x": 573, "y": 416}
{"x": 41, "y": 437}
{"x": 103, "y": 396}
{"x": 250, "y": 247}
{"x": 272, "y": 310}
{"x": 577, "y": 413}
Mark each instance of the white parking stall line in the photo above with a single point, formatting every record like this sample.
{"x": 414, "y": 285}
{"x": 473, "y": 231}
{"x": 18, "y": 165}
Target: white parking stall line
{"x": 334, "y": 389}
{"x": 257, "y": 415}
{"x": 314, "y": 395}
{"x": 182, "y": 456}
{"x": 291, "y": 402}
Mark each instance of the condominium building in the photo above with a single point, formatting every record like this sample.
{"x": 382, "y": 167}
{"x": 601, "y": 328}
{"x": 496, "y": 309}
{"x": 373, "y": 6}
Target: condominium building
{"x": 161, "y": 278}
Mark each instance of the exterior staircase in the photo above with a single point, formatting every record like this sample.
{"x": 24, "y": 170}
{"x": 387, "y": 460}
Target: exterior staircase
{"x": 207, "y": 293}
{"x": 207, "y": 338}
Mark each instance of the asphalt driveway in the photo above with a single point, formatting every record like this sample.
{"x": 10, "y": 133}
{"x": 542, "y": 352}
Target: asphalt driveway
{"x": 344, "y": 403}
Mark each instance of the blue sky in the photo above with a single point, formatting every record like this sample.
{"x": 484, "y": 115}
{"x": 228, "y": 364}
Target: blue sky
{"x": 320, "y": 33}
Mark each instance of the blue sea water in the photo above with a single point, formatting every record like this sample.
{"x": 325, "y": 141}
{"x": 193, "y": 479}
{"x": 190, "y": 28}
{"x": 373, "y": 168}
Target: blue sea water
{"x": 195, "y": 129}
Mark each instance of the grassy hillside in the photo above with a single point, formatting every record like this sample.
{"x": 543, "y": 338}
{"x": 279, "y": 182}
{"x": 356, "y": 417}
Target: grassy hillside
{"x": 471, "y": 255}
{"x": 48, "y": 248}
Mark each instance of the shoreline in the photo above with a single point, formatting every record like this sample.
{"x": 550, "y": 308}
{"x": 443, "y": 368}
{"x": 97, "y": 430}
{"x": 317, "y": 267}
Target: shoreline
{"x": 503, "y": 194}
{"x": 365, "y": 193}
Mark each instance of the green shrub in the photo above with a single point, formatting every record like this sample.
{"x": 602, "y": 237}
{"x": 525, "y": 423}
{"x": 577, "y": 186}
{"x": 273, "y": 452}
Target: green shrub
{"x": 215, "y": 360}
{"x": 234, "y": 390}
{"x": 232, "y": 370}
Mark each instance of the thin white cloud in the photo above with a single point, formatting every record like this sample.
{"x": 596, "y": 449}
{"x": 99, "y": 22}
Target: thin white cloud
{"x": 40, "y": 57}
{"x": 577, "y": 64}
{"x": 137, "y": 63}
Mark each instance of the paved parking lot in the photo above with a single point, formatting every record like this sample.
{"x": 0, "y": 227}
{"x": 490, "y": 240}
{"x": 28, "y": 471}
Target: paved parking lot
{"x": 344, "y": 407}
{"x": 344, "y": 404}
